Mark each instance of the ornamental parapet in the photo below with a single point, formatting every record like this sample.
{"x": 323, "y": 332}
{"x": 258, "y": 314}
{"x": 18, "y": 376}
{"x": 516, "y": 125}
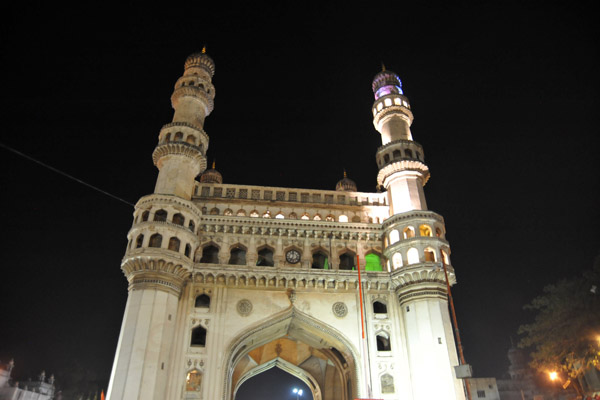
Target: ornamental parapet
{"x": 422, "y": 273}
{"x": 413, "y": 166}
{"x": 263, "y": 278}
{"x": 392, "y": 111}
{"x": 150, "y": 200}
{"x": 187, "y": 128}
{"x": 412, "y": 215}
{"x": 156, "y": 269}
{"x": 196, "y": 93}
{"x": 179, "y": 149}
{"x": 290, "y": 228}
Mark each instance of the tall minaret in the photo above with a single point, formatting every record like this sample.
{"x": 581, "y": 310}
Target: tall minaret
{"x": 415, "y": 244}
{"x": 159, "y": 257}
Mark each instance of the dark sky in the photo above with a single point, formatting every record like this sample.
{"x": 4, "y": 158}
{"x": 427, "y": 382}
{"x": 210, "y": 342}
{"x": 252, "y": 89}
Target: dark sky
{"x": 505, "y": 102}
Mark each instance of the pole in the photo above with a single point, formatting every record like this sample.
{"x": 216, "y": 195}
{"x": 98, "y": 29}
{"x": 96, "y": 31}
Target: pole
{"x": 458, "y": 342}
{"x": 362, "y": 325}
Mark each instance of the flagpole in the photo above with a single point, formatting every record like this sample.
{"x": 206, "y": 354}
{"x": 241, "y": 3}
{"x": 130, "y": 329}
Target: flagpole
{"x": 362, "y": 325}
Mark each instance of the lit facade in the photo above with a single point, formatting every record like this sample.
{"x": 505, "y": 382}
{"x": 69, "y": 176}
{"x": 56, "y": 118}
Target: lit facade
{"x": 227, "y": 281}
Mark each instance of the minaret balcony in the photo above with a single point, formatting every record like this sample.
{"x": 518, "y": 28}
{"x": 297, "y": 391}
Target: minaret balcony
{"x": 195, "y": 93}
{"x": 414, "y": 168}
{"x": 399, "y": 150}
{"x": 181, "y": 149}
{"x": 184, "y": 132}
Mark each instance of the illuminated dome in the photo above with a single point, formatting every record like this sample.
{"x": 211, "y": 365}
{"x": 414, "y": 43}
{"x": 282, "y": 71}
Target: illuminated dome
{"x": 200, "y": 60}
{"x": 346, "y": 185}
{"x": 211, "y": 176}
{"x": 386, "y": 82}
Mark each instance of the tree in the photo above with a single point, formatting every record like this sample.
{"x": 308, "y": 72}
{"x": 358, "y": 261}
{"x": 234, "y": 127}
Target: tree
{"x": 565, "y": 335}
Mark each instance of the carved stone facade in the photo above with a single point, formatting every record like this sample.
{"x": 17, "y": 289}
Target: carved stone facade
{"x": 227, "y": 281}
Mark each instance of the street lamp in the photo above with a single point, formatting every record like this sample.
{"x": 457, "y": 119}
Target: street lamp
{"x": 297, "y": 392}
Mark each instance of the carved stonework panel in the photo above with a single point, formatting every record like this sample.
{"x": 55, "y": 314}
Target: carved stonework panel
{"x": 244, "y": 307}
{"x": 339, "y": 309}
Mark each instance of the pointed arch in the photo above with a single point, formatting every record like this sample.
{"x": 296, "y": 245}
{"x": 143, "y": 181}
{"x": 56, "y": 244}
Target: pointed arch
{"x": 294, "y": 323}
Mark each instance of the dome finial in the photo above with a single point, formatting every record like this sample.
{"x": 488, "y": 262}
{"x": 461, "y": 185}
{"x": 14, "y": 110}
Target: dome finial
{"x": 214, "y": 162}
{"x": 382, "y": 66}
{"x": 203, "y": 49}
{"x": 345, "y": 175}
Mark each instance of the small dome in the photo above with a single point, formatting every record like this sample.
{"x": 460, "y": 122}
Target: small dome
{"x": 386, "y": 82}
{"x": 200, "y": 60}
{"x": 211, "y": 176}
{"x": 346, "y": 185}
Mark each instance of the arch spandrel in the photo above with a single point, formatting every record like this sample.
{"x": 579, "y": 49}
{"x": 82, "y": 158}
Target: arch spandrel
{"x": 290, "y": 323}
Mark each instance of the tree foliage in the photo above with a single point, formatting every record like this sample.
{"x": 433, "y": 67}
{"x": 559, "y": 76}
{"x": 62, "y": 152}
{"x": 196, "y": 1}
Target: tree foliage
{"x": 565, "y": 335}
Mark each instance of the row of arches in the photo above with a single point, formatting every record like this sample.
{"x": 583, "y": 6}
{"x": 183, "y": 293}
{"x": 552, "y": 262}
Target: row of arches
{"x": 281, "y": 215}
{"x": 179, "y": 136}
{"x": 156, "y": 240}
{"x": 265, "y": 258}
{"x": 414, "y": 256}
{"x": 162, "y": 215}
{"x": 399, "y": 154}
{"x": 408, "y": 232}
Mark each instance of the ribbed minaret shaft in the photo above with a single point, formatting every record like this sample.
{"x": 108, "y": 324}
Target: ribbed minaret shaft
{"x": 181, "y": 151}
{"x": 402, "y": 171}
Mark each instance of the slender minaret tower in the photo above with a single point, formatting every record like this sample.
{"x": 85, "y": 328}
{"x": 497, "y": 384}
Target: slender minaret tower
{"x": 414, "y": 242}
{"x": 162, "y": 241}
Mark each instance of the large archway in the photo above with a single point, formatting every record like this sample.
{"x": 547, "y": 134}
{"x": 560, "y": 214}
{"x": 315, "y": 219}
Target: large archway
{"x": 274, "y": 379}
{"x": 309, "y": 349}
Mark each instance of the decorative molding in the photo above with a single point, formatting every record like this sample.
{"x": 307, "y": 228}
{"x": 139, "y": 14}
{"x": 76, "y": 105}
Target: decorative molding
{"x": 339, "y": 309}
{"x": 244, "y": 307}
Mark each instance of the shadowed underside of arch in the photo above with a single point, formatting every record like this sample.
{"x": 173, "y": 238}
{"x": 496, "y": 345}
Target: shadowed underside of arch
{"x": 303, "y": 346}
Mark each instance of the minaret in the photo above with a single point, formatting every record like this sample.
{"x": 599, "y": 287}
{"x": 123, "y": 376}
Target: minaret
{"x": 415, "y": 245}
{"x": 162, "y": 241}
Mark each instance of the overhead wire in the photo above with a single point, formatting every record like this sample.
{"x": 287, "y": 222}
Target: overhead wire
{"x": 15, "y": 151}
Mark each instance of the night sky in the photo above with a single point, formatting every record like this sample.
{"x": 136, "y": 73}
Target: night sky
{"x": 505, "y": 98}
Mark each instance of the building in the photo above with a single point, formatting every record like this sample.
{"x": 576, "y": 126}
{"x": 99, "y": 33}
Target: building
{"x": 40, "y": 389}
{"x": 227, "y": 281}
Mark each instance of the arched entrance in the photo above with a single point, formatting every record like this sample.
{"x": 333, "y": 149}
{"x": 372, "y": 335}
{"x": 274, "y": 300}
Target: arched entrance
{"x": 305, "y": 347}
{"x": 281, "y": 369}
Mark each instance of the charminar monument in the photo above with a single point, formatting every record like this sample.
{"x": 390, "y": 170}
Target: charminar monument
{"x": 227, "y": 281}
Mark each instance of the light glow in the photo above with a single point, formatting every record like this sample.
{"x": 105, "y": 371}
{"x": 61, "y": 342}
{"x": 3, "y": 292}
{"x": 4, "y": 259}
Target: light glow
{"x": 553, "y": 375}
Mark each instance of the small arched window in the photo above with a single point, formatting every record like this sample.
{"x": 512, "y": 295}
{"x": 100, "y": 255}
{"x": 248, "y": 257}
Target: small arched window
{"x": 396, "y": 154}
{"x": 408, "y": 232}
{"x": 145, "y": 215}
{"x": 429, "y": 254}
{"x": 174, "y": 244}
{"x": 293, "y": 215}
{"x": 179, "y": 136}
{"x": 267, "y": 214}
{"x": 438, "y": 232}
{"x": 343, "y": 218}
{"x": 214, "y": 211}
{"x": 408, "y": 153}
{"x": 192, "y": 226}
{"x": 155, "y": 240}
{"x": 241, "y": 213}
{"x": 386, "y": 158}
{"x": 160, "y": 215}
{"x": 383, "y": 342}
{"x": 237, "y": 256}
{"x": 373, "y": 262}
{"x": 394, "y": 236}
{"x": 202, "y": 301}
{"x": 413, "y": 256}
{"x": 305, "y": 216}
{"x": 347, "y": 261}
{"x": 320, "y": 260}
{"x": 191, "y": 139}
{"x": 356, "y": 218}
{"x": 425, "y": 230}
{"x": 379, "y": 308}
{"x": 178, "y": 219}
{"x": 317, "y": 217}
{"x": 397, "y": 260}
{"x": 228, "y": 212}
{"x": 198, "y": 336}
{"x": 330, "y": 218}
{"x": 265, "y": 258}
{"x": 188, "y": 250}
{"x": 139, "y": 241}
{"x": 279, "y": 215}
{"x": 168, "y": 137}
{"x": 210, "y": 255}
{"x": 254, "y": 214}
